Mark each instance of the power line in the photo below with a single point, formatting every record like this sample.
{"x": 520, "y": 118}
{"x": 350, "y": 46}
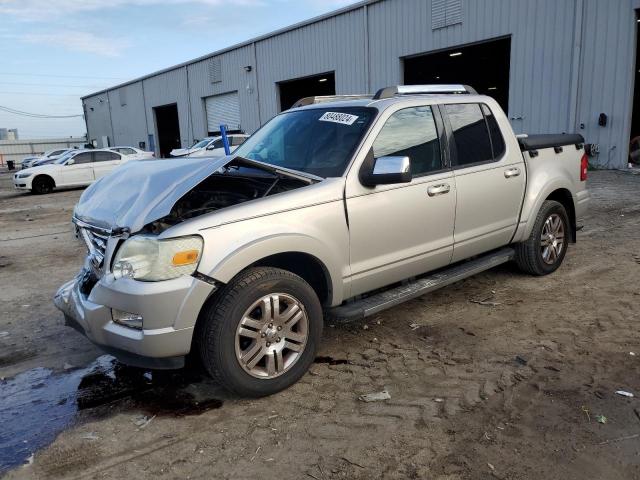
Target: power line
{"x": 34, "y": 115}
{"x": 51, "y": 85}
{"x": 77, "y": 95}
{"x": 60, "y": 76}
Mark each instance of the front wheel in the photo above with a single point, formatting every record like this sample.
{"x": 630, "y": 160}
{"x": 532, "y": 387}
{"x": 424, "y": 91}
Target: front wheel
{"x": 261, "y": 334}
{"x": 42, "y": 184}
{"x": 542, "y": 253}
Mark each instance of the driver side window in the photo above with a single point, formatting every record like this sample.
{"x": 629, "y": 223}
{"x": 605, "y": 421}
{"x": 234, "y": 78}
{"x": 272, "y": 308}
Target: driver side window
{"x": 411, "y": 132}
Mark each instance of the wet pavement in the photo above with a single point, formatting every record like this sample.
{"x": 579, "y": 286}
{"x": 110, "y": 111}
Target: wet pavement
{"x": 36, "y": 405}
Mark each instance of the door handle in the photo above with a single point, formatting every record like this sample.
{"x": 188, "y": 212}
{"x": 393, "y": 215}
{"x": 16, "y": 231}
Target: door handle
{"x": 438, "y": 189}
{"x": 512, "y": 172}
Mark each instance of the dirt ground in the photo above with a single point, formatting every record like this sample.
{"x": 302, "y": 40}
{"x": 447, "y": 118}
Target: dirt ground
{"x": 511, "y": 390}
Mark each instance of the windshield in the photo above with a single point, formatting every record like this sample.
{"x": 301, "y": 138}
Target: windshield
{"x": 319, "y": 141}
{"x": 64, "y": 157}
{"x": 202, "y": 143}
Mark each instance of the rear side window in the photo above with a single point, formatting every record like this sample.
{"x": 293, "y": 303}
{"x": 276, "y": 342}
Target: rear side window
{"x": 470, "y": 133}
{"x": 125, "y": 151}
{"x": 411, "y": 132}
{"x": 106, "y": 156}
{"x": 82, "y": 158}
{"x": 497, "y": 142}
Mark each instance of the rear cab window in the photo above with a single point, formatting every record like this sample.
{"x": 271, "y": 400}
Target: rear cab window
{"x": 476, "y": 135}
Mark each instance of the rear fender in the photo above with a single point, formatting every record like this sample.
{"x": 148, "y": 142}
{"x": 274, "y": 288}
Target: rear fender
{"x": 537, "y": 192}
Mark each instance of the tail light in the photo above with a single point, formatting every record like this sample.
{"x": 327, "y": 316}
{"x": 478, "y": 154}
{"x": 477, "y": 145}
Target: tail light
{"x": 584, "y": 166}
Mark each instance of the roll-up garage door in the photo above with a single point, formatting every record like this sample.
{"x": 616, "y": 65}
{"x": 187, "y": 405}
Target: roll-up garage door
{"x": 223, "y": 110}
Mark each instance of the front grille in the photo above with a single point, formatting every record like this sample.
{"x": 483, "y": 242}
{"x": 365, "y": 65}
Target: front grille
{"x": 96, "y": 241}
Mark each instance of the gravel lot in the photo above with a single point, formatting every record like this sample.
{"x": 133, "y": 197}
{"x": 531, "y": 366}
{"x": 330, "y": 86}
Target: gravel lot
{"x": 513, "y": 390}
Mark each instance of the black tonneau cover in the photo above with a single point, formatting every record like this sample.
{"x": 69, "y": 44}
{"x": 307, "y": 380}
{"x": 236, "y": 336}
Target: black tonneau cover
{"x": 534, "y": 142}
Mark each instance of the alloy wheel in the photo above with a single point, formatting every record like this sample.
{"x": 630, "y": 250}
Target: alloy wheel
{"x": 552, "y": 239}
{"x": 271, "y": 335}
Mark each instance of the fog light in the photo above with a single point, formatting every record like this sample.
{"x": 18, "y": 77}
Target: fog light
{"x": 127, "y": 319}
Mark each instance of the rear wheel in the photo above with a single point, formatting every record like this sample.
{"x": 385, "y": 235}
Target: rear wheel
{"x": 42, "y": 185}
{"x": 543, "y": 252}
{"x": 262, "y": 333}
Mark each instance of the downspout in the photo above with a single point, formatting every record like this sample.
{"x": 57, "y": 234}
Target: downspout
{"x": 366, "y": 50}
{"x": 576, "y": 63}
{"x": 190, "y": 122}
{"x": 255, "y": 68}
{"x": 113, "y": 134}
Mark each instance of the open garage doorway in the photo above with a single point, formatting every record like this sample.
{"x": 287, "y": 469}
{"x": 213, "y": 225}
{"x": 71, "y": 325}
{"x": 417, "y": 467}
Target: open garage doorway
{"x": 168, "y": 128}
{"x": 293, "y": 90}
{"x": 484, "y": 66}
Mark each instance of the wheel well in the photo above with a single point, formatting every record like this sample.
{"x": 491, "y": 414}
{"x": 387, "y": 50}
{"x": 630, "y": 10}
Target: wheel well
{"x": 304, "y": 265}
{"x": 563, "y": 196}
{"x": 42, "y": 176}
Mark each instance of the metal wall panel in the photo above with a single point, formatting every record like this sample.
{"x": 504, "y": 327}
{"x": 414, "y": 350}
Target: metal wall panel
{"x": 606, "y": 78}
{"x": 234, "y": 77}
{"x": 98, "y": 117}
{"x": 164, "y": 89}
{"x": 128, "y": 120}
{"x": 541, "y": 46}
{"x": 337, "y": 44}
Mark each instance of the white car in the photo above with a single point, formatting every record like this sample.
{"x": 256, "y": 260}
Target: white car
{"x": 77, "y": 168}
{"x": 49, "y": 154}
{"x": 210, "y": 146}
{"x": 132, "y": 153}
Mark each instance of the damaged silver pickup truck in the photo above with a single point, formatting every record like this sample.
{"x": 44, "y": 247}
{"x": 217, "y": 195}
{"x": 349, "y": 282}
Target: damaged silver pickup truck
{"x": 339, "y": 207}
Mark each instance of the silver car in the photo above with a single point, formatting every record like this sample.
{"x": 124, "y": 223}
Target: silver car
{"x": 338, "y": 208}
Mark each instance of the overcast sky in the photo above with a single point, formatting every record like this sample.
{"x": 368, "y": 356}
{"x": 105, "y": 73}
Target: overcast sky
{"x": 52, "y": 52}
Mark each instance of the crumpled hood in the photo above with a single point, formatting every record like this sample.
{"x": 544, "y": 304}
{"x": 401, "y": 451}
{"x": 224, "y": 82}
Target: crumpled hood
{"x": 137, "y": 193}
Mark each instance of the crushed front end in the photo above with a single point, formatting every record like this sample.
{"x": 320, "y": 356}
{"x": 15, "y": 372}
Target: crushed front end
{"x": 142, "y": 323}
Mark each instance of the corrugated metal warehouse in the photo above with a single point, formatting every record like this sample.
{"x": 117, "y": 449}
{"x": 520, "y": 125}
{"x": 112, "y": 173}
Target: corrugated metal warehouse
{"x": 554, "y": 65}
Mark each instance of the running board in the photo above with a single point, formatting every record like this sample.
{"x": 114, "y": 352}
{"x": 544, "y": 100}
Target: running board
{"x": 365, "y": 307}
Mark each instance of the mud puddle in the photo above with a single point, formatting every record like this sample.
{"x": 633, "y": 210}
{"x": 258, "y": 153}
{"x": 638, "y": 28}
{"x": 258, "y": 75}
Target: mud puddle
{"x": 36, "y": 405}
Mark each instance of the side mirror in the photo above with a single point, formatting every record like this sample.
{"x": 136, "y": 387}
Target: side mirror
{"x": 385, "y": 170}
{"x": 210, "y": 147}
{"x": 70, "y": 162}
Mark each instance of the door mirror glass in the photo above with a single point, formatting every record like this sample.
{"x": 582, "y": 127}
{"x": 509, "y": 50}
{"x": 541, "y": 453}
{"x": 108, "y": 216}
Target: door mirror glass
{"x": 388, "y": 170}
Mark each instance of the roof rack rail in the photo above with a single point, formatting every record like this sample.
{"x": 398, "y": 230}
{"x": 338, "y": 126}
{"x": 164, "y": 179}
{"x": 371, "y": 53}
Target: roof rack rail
{"x": 327, "y": 98}
{"x": 389, "y": 92}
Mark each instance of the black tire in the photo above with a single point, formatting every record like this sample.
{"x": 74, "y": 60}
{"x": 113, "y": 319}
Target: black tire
{"x": 529, "y": 254}
{"x": 219, "y": 321}
{"x": 42, "y": 184}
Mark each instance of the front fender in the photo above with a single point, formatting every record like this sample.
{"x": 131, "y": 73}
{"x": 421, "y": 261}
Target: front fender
{"x": 232, "y": 248}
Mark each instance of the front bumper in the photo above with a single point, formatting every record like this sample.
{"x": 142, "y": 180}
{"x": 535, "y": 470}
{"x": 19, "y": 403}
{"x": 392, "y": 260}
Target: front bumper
{"x": 169, "y": 309}
{"x": 22, "y": 183}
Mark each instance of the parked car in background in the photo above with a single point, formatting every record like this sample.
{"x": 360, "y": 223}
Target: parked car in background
{"x": 28, "y": 162}
{"x": 210, "y": 146}
{"x": 76, "y": 168}
{"x": 132, "y": 153}
{"x": 339, "y": 209}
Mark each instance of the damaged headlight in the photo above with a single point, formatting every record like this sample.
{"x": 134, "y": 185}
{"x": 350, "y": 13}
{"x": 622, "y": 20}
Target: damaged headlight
{"x": 146, "y": 258}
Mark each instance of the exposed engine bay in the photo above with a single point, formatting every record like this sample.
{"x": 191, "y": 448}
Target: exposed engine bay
{"x": 238, "y": 182}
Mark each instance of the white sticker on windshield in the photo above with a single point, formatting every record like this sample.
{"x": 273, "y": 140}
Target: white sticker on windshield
{"x": 337, "y": 117}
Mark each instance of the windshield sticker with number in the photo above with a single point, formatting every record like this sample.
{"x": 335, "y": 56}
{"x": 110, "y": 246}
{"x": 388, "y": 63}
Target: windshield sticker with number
{"x": 337, "y": 117}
